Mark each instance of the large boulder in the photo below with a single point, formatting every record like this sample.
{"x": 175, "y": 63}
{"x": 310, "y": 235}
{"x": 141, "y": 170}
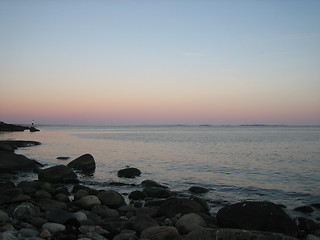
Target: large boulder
{"x": 259, "y": 216}
{"x": 11, "y": 162}
{"x": 129, "y": 172}
{"x": 111, "y": 199}
{"x": 173, "y": 206}
{"x": 84, "y": 163}
{"x": 57, "y": 174}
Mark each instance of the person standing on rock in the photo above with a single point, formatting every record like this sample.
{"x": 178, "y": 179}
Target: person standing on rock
{"x": 32, "y": 124}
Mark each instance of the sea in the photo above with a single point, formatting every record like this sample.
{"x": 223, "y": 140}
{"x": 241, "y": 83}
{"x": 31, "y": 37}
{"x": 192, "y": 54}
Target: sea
{"x": 259, "y": 163}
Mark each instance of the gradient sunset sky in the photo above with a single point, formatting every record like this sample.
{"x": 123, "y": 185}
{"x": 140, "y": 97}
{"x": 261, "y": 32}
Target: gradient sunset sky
{"x": 160, "y": 62}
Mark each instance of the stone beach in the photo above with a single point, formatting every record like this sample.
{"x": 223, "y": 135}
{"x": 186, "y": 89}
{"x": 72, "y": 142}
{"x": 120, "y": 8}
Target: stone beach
{"x": 59, "y": 206}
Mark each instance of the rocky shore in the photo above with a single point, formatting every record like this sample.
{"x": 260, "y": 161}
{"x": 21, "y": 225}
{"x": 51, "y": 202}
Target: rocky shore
{"x": 59, "y": 206}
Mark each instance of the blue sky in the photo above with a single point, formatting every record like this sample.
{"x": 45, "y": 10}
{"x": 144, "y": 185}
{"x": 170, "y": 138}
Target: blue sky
{"x": 109, "y": 62}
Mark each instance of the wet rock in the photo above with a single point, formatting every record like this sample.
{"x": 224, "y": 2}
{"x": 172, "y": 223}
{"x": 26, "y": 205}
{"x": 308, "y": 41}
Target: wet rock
{"x": 137, "y": 195}
{"x": 11, "y": 162}
{"x": 308, "y": 225}
{"x": 126, "y": 236}
{"x": 13, "y": 195}
{"x": 27, "y": 233}
{"x": 89, "y": 190}
{"x": 304, "y": 209}
{"x": 80, "y": 194}
{"x": 7, "y": 236}
{"x": 45, "y": 234}
{"x": 58, "y": 216}
{"x": 234, "y": 234}
{"x": 151, "y": 183}
{"x": 104, "y": 211}
{"x": 3, "y": 217}
{"x": 53, "y": 227}
{"x": 33, "y": 129}
{"x": 58, "y": 174}
{"x": 84, "y": 163}
{"x": 61, "y": 197}
{"x": 26, "y": 211}
{"x": 63, "y": 158}
{"x": 93, "y": 236}
{"x": 143, "y": 221}
{"x": 80, "y": 216}
{"x": 87, "y": 202}
{"x": 116, "y": 225}
{"x": 37, "y": 221}
{"x": 111, "y": 199}
{"x": 42, "y": 194}
{"x": 49, "y": 204}
{"x": 260, "y": 216}
{"x": 312, "y": 237}
{"x": 154, "y": 192}
{"x": 129, "y": 173}
{"x": 190, "y": 222}
{"x": 173, "y": 206}
{"x": 160, "y": 233}
{"x": 152, "y": 212}
{"x": 197, "y": 189}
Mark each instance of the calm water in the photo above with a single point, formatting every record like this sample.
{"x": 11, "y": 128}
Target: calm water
{"x": 280, "y": 164}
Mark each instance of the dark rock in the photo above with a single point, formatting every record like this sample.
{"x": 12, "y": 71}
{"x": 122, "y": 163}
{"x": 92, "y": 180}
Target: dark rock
{"x": 154, "y": 192}
{"x": 89, "y": 190}
{"x": 84, "y": 163}
{"x": 234, "y": 234}
{"x": 144, "y": 221}
{"x": 63, "y": 158}
{"x": 129, "y": 173}
{"x": 260, "y": 216}
{"x": 173, "y": 206}
{"x": 26, "y": 211}
{"x": 154, "y": 203}
{"x": 104, "y": 211}
{"x": 11, "y": 162}
{"x": 57, "y": 174}
{"x": 13, "y": 195}
{"x": 152, "y": 212}
{"x": 5, "y": 127}
{"x": 14, "y": 144}
{"x": 61, "y": 197}
{"x": 120, "y": 184}
{"x": 87, "y": 202}
{"x": 160, "y": 233}
{"x": 116, "y": 225}
{"x": 190, "y": 222}
{"x": 58, "y": 215}
{"x": 137, "y": 195}
{"x": 307, "y": 225}
{"x": 151, "y": 183}
{"x": 42, "y": 194}
{"x": 316, "y": 205}
{"x": 33, "y": 129}
{"x": 111, "y": 199}
{"x": 304, "y": 209}
{"x": 49, "y": 204}
{"x": 197, "y": 189}
{"x": 6, "y": 185}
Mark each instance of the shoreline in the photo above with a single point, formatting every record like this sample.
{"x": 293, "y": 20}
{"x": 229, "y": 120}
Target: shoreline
{"x": 125, "y": 216}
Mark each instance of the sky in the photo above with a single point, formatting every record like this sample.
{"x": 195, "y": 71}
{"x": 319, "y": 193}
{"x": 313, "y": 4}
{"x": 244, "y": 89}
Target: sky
{"x": 160, "y": 62}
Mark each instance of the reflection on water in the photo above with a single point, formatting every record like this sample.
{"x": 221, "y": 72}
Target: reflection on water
{"x": 262, "y": 163}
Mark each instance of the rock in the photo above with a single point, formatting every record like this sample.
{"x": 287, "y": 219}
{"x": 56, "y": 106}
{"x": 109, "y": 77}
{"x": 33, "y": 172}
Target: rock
{"x": 154, "y": 192}
{"x": 5, "y": 127}
{"x": 160, "y": 233}
{"x": 152, "y": 212}
{"x": 137, "y": 195}
{"x": 304, "y": 209}
{"x": 45, "y": 234}
{"x": 151, "y": 183}
{"x": 129, "y": 173}
{"x": 26, "y": 211}
{"x": 58, "y": 215}
{"x": 61, "y": 197}
{"x": 87, "y": 202}
{"x": 63, "y": 158}
{"x": 190, "y": 222}
{"x": 111, "y": 199}
{"x": 7, "y": 236}
{"x": 94, "y": 236}
{"x": 84, "y": 163}
{"x": 80, "y": 216}
{"x": 89, "y": 190}
{"x": 173, "y": 206}
{"x": 197, "y": 189}
{"x": 33, "y": 129}
{"x": 116, "y": 225}
{"x": 27, "y": 233}
{"x": 234, "y": 234}
{"x": 126, "y": 236}
{"x": 143, "y": 221}
{"x": 53, "y": 227}
{"x": 308, "y": 225}
{"x": 3, "y": 217}
{"x": 49, "y": 204}
{"x": 37, "y": 221}
{"x": 104, "y": 211}
{"x": 57, "y": 174}
{"x": 259, "y": 216}
{"x": 311, "y": 237}
{"x": 11, "y": 162}
{"x": 13, "y": 195}
{"x": 42, "y": 194}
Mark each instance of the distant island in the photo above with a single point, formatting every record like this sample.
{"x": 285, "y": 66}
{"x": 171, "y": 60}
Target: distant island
{"x": 5, "y": 127}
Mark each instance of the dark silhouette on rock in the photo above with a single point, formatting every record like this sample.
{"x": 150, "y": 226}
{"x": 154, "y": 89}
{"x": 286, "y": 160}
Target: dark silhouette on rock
{"x": 11, "y": 162}
{"x": 259, "y": 216}
{"x": 5, "y": 127}
{"x": 33, "y": 129}
{"x": 84, "y": 163}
